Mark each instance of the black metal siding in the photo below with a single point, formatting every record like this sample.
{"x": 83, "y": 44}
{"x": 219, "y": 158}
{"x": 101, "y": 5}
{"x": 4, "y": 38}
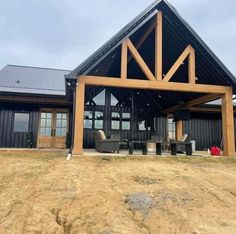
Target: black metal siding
{"x": 160, "y": 123}
{"x": 205, "y": 129}
{"x": 9, "y": 138}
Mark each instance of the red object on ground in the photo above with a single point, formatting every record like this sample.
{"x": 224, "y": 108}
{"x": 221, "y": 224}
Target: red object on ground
{"x": 215, "y": 151}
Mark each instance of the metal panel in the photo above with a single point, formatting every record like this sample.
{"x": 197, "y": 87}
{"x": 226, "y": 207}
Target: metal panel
{"x": 34, "y": 80}
{"x": 205, "y": 129}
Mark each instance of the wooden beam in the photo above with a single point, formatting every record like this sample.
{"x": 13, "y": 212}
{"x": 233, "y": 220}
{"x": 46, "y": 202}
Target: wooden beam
{"x": 152, "y": 85}
{"x": 191, "y": 67}
{"x": 140, "y": 61}
{"x": 158, "y": 47}
{"x": 228, "y": 124}
{"x": 177, "y": 64}
{"x": 207, "y": 109}
{"x": 124, "y": 63}
{"x": 194, "y": 102}
{"x": 179, "y": 129}
{"x": 79, "y": 119}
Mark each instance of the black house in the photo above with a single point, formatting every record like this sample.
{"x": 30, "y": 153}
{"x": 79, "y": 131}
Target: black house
{"x": 152, "y": 79}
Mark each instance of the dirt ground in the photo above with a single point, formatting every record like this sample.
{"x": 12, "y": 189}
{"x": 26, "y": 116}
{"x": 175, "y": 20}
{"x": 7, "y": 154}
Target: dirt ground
{"x": 41, "y": 192}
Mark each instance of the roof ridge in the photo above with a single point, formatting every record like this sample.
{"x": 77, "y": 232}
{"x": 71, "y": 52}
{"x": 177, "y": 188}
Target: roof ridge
{"x": 44, "y": 68}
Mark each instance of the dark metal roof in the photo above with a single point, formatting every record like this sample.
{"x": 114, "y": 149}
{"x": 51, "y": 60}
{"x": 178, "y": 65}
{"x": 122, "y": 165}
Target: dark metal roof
{"x": 32, "y": 80}
{"x": 177, "y": 34}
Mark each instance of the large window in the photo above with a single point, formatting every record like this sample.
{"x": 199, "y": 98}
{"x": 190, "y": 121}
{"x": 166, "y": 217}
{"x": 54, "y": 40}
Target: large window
{"x": 88, "y": 119}
{"x": 93, "y": 120}
{"x": 115, "y": 120}
{"x": 21, "y": 122}
{"x": 120, "y": 121}
{"x": 98, "y": 120}
{"x": 114, "y": 101}
{"x": 99, "y": 100}
{"x": 141, "y": 126}
{"x": 125, "y": 121}
{"x": 171, "y": 128}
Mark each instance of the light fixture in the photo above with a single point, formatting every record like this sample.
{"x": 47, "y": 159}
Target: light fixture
{"x": 196, "y": 78}
{"x": 69, "y": 84}
{"x": 159, "y": 96}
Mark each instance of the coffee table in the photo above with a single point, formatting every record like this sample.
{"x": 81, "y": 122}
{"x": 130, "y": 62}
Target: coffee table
{"x": 143, "y": 144}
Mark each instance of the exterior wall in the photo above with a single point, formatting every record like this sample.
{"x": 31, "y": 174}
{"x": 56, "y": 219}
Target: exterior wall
{"x": 160, "y": 131}
{"x": 9, "y": 138}
{"x": 205, "y": 129}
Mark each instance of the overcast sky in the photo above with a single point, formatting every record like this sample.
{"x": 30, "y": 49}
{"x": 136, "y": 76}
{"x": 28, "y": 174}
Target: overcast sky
{"x": 62, "y": 33}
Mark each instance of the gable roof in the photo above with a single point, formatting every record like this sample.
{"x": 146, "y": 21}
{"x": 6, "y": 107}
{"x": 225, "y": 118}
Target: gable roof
{"x": 32, "y": 80}
{"x": 210, "y": 70}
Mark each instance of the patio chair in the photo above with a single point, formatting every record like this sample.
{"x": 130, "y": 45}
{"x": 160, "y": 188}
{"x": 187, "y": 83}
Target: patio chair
{"x": 181, "y": 147}
{"x": 102, "y": 144}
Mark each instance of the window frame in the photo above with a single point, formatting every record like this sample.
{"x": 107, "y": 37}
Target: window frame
{"x": 14, "y": 121}
{"x": 121, "y": 120}
{"x": 171, "y": 130}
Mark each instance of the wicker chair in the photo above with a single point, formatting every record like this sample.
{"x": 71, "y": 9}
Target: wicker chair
{"x": 102, "y": 144}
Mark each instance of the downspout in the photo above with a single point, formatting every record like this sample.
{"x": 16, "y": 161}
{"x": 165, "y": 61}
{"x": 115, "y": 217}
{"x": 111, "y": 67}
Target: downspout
{"x": 69, "y": 155}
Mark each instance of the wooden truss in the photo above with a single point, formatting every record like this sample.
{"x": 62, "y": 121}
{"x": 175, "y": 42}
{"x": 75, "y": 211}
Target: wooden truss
{"x": 158, "y": 82}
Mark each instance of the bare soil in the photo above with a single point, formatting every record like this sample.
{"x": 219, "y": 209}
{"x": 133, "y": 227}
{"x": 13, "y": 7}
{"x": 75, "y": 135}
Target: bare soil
{"x": 41, "y": 192}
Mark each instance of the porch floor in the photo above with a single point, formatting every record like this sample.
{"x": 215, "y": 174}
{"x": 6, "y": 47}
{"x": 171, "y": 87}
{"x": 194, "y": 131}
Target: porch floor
{"x": 123, "y": 153}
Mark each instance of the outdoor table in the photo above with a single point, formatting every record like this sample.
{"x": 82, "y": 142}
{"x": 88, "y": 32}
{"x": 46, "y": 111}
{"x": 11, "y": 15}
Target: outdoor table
{"x": 144, "y": 147}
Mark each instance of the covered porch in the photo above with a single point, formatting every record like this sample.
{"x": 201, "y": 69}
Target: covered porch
{"x": 152, "y": 68}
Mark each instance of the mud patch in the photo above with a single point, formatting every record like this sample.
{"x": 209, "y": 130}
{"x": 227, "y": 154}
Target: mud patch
{"x": 141, "y": 202}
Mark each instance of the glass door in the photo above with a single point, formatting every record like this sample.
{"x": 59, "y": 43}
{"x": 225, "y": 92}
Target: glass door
{"x": 53, "y": 128}
{"x": 45, "y": 130}
{"x": 60, "y": 129}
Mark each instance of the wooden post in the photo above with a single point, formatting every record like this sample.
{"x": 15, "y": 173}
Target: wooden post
{"x": 79, "y": 119}
{"x": 228, "y": 124}
{"x": 158, "y": 46}
{"x": 179, "y": 130}
{"x": 124, "y": 62}
{"x": 191, "y": 67}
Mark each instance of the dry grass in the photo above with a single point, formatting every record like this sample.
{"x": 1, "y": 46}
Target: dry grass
{"x": 41, "y": 192}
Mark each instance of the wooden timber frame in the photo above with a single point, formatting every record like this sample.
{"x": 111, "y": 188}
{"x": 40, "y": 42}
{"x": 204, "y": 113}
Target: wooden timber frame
{"x": 158, "y": 82}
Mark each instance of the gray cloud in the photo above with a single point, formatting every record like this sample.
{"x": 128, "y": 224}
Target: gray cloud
{"x": 61, "y": 34}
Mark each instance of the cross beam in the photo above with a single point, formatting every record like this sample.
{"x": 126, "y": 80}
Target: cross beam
{"x": 194, "y": 102}
{"x": 152, "y": 85}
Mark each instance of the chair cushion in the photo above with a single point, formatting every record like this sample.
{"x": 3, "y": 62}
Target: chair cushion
{"x": 102, "y": 134}
{"x": 184, "y": 137}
